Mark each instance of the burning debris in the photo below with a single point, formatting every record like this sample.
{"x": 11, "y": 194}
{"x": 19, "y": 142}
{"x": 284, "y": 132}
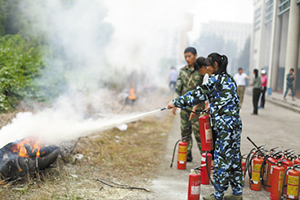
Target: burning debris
{"x": 21, "y": 158}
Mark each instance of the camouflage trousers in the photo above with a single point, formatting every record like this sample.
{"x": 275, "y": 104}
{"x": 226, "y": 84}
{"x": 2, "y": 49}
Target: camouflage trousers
{"x": 187, "y": 127}
{"x": 228, "y": 167}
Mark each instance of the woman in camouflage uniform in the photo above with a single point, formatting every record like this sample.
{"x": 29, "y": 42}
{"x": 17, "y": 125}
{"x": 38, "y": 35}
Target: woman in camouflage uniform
{"x": 225, "y": 118}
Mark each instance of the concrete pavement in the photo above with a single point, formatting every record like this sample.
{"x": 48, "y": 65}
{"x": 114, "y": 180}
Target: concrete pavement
{"x": 277, "y": 125}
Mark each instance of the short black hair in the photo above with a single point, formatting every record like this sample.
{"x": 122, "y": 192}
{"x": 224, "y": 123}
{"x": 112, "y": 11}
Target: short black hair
{"x": 292, "y": 69}
{"x": 255, "y": 72}
{"x": 240, "y": 69}
{"x": 191, "y": 49}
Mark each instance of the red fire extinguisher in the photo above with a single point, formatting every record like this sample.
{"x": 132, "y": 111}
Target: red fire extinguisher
{"x": 194, "y": 185}
{"x": 297, "y": 160}
{"x": 277, "y": 181}
{"x": 293, "y": 182}
{"x": 255, "y": 181}
{"x": 243, "y": 164}
{"x": 270, "y": 164}
{"x": 205, "y": 168}
{"x": 287, "y": 162}
{"x": 205, "y": 133}
{"x": 182, "y": 154}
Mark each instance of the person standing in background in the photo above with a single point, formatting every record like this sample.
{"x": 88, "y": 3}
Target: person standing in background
{"x": 240, "y": 79}
{"x": 256, "y": 91}
{"x": 289, "y": 84}
{"x": 263, "y": 88}
{"x": 172, "y": 78}
{"x": 188, "y": 79}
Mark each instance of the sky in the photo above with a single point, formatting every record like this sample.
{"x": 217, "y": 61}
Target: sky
{"x": 240, "y": 11}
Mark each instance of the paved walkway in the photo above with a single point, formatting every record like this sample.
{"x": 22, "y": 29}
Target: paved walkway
{"x": 277, "y": 125}
{"x": 277, "y": 98}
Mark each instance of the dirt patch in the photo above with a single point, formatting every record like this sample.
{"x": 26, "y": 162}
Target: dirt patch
{"x": 125, "y": 157}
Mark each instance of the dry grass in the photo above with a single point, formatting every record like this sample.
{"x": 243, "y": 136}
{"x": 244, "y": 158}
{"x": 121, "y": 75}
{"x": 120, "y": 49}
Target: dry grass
{"x": 130, "y": 157}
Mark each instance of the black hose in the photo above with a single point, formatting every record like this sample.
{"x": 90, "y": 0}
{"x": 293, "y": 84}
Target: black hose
{"x": 250, "y": 168}
{"x": 255, "y": 145}
{"x": 247, "y": 161}
{"x": 171, "y": 165}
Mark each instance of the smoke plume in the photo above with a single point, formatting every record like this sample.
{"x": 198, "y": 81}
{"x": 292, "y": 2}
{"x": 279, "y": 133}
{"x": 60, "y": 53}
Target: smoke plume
{"x": 97, "y": 47}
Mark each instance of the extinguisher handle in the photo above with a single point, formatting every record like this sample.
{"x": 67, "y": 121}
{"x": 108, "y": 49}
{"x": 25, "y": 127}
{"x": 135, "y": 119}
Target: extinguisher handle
{"x": 295, "y": 166}
{"x": 255, "y": 145}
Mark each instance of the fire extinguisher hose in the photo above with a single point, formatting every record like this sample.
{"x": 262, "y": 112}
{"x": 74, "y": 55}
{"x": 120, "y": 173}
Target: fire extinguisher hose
{"x": 248, "y": 163}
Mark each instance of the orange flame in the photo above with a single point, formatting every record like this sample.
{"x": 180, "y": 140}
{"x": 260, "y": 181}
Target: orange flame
{"x": 20, "y": 148}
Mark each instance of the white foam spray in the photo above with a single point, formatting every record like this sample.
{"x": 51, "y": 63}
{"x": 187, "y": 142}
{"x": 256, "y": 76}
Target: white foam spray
{"x": 100, "y": 41}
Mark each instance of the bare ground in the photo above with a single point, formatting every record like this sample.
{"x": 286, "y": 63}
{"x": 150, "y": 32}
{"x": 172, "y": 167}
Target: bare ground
{"x": 130, "y": 158}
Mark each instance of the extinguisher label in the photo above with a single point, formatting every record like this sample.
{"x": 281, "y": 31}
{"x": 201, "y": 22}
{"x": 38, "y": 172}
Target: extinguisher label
{"x": 195, "y": 190}
{"x": 182, "y": 148}
{"x": 182, "y": 157}
{"x": 281, "y": 175}
{"x": 208, "y": 133}
{"x": 292, "y": 187}
{"x": 256, "y": 172}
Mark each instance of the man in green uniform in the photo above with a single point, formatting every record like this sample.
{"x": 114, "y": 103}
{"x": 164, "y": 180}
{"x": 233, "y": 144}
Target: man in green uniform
{"x": 188, "y": 79}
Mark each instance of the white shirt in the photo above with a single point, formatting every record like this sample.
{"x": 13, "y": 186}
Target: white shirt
{"x": 205, "y": 79}
{"x": 240, "y": 79}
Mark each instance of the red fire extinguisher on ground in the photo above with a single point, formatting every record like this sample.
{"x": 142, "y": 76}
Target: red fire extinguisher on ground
{"x": 255, "y": 181}
{"x": 194, "y": 185}
{"x": 287, "y": 162}
{"x": 206, "y": 135}
{"x": 297, "y": 160}
{"x": 243, "y": 164}
{"x": 293, "y": 183}
{"x": 270, "y": 164}
{"x": 182, "y": 154}
{"x": 205, "y": 168}
{"x": 277, "y": 181}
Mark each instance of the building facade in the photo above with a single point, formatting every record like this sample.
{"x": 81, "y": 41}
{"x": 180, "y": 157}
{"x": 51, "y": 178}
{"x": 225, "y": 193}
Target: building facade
{"x": 229, "y": 31}
{"x": 275, "y": 43}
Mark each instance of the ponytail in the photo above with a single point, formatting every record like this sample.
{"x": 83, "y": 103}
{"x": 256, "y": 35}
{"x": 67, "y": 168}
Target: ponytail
{"x": 221, "y": 60}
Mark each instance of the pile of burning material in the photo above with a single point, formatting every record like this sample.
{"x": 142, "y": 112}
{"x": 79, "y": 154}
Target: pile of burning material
{"x": 21, "y": 158}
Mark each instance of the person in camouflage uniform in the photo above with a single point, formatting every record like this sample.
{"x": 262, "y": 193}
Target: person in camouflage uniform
{"x": 221, "y": 91}
{"x": 188, "y": 79}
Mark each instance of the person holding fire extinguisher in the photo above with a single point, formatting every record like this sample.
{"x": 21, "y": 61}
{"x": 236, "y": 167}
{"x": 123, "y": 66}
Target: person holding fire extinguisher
{"x": 221, "y": 91}
{"x": 200, "y": 65}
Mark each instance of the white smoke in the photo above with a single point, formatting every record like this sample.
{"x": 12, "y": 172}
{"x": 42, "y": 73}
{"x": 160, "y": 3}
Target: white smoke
{"x": 98, "y": 41}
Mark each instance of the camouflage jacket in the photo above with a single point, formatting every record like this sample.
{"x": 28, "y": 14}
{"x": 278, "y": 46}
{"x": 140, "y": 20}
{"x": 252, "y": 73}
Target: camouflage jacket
{"x": 224, "y": 102}
{"x": 188, "y": 79}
